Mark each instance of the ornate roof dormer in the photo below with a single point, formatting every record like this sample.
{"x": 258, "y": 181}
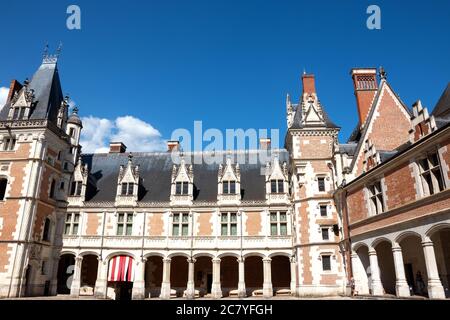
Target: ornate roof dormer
{"x": 127, "y": 184}
{"x": 63, "y": 114}
{"x": 422, "y": 123}
{"x": 277, "y": 182}
{"x": 229, "y": 183}
{"x": 21, "y": 103}
{"x": 182, "y": 184}
{"x": 78, "y": 184}
{"x": 371, "y": 156}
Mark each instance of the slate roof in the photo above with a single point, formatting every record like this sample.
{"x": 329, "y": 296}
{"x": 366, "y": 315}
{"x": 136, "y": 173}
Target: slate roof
{"x": 443, "y": 105}
{"x": 47, "y": 92}
{"x": 348, "y": 148}
{"x": 155, "y": 171}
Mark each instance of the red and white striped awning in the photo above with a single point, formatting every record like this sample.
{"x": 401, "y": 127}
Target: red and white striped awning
{"x": 121, "y": 269}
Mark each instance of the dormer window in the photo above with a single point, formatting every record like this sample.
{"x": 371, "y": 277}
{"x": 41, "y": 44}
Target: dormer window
{"x": 18, "y": 113}
{"x": 229, "y": 187}
{"x": 75, "y": 189}
{"x": 127, "y": 189}
{"x": 182, "y": 188}
{"x": 128, "y": 184}
{"x": 277, "y": 186}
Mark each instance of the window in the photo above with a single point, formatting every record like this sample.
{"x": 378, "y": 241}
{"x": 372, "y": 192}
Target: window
{"x": 431, "y": 175}
{"x": 376, "y": 198}
{"x": 59, "y": 155}
{"x": 127, "y": 189}
{"x": 125, "y": 224}
{"x": 75, "y": 189}
{"x": 276, "y": 186}
{"x": 323, "y": 210}
{"x": 19, "y": 113}
{"x": 61, "y": 185}
{"x": 3, "y": 185}
{"x": 52, "y": 189}
{"x": 278, "y": 223}
{"x": 46, "y": 233}
{"x": 180, "y": 224}
{"x": 72, "y": 223}
{"x": 72, "y": 132}
{"x": 182, "y": 188}
{"x": 229, "y": 187}
{"x": 326, "y": 263}
{"x": 228, "y": 222}
{"x": 321, "y": 184}
{"x": 325, "y": 234}
{"x": 9, "y": 144}
{"x": 66, "y": 166}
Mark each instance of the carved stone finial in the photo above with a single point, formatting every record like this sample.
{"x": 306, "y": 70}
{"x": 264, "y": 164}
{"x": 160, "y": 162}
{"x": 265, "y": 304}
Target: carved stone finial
{"x": 383, "y": 74}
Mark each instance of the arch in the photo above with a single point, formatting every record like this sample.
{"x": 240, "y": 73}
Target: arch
{"x": 228, "y": 254}
{"x": 119, "y": 253}
{"x": 436, "y": 228}
{"x": 179, "y": 253}
{"x": 66, "y": 252}
{"x": 280, "y": 253}
{"x": 254, "y": 254}
{"x": 409, "y": 233}
{"x": 204, "y": 254}
{"x": 154, "y": 254}
{"x": 89, "y": 252}
{"x": 377, "y": 241}
{"x": 359, "y": 245}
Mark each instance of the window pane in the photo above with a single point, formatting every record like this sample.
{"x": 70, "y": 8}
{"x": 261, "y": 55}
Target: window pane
{"x": 121, "y": 217}
{"x": 283, "y": 229}
{"x": 280, "y": 186}
{"x": 120, "y": 229}
{"x": 130, "y": 217}
{"x": 124, "y": 189}
{"x": 68, "y": 217}
{"x": 233, "y": 231}
{"x": 67, "y": 228}
{"x": 273, "y": 229}
{"x": 224, "y": 229}
{"x": 79, "y": 185}
{"x": 75, "y": 229}
{"x": 434, "y": 159}
{"x": 233, "y": 217}
{"x": 176, "y": 230}
{"x": 323, "y": 211}
{"x": 185, "y": 217}
{"x": 282, "y": 216}
{"x": 326, "y": 263}
{"x": 178, "y": 188}
{"x": 225, "y": 186}
{"x": 273, "y": 186}
{"x": 224, "y": 217}
{"x": 273, "y": 216}
{"x": 184, "y": 230}
{"x": 130, "y": 189}
{"x": 321, "y": 183}
{"x": 129, "y": 229}
{"x": 325, "y": 235}
{"x": 438, "y": 177}
{"x": 176, "y": 217}
{"x": 232, "y": 187}
{"x": 76, "y": 217}
{"x": 185, "y": 188}
{"x": 424, "y": 164}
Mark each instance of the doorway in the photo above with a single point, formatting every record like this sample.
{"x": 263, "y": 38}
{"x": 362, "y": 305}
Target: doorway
{"x": 209, "y": 281}
{"x": 123, "y": 290}
{"x": 409, "y": 276}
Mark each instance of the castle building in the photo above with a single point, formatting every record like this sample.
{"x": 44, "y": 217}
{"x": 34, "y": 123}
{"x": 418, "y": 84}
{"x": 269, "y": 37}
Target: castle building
{"x": 306, "y": 220}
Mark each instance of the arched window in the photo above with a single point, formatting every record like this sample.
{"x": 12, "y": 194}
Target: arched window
{"x": 46, "y": 233}
{"x": 52, "y": 189}
{"x": 3, "y": 184}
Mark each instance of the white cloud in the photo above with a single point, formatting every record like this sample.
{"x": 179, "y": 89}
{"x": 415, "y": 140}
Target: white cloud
{"x": 3, "y": 95}
{"x": 136, "y": 134}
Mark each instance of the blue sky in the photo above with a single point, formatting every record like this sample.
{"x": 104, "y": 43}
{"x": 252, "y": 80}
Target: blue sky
{"x": 229, "y": 64}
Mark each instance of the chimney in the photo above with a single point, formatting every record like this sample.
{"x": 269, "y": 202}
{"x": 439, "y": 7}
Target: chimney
{"x": 173, "y": 145}
{"x": 117, "y": 147}
{"x": 264, "y": 143}
{"x": 365, "y": 85}
{"x": 309, "y": 85}
{"x": 14, "y": 87}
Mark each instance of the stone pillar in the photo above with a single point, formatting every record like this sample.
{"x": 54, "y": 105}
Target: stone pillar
{"x": 102, "y": 279}
{"x": 165, "y": 285}
{"x": 293, "y": 276}
{"x": 377, "y": 287}
{"x": 54, "y": 278}
{"x": 138, "y": 292}
{"x": 267, "y": 285}
{"x": 435, "y": 288}
{"x": 242, "y": 293}
{"x": 190, "y": 290}
{"x": 216, "y": 290}
{"x": 401, "y": 286}
{"x": 75, "y": 287}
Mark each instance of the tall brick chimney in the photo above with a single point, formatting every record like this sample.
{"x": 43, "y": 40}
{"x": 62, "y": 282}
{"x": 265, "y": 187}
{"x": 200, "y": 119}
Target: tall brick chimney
{"x": 173, "y": 145}
{"x": 264, "y": 143}
{"x": 309, "y": 85}
{"x": 365, "y": 85}
{"x": 117, "y": 147}
{"x": 13, "y": 88}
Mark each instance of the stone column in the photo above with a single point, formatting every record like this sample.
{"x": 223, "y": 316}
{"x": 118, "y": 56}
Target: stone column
{"x": 102, "y": 279}
{"x": 165, "y": 285}
{"x": 242, "y": 293}
{"x": 377, "y": 287}
{"x": 293, "y": 276}
{"x": 75, "y": 287}
{"x": 138, "y": 292}
{"x": 54, "y": 279}
{"x": 267, "y": 285}
{"x": 401, "y": 286}
{"x": 216, "y": 290}
{"x": 190, "y": 290}
{"x": 435, "y": 288}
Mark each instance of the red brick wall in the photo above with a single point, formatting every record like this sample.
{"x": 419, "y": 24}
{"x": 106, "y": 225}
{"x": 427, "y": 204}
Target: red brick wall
{"x": 400, "y": 187}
